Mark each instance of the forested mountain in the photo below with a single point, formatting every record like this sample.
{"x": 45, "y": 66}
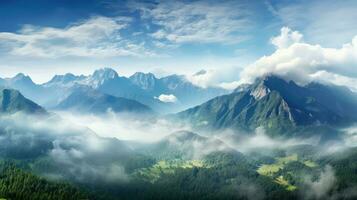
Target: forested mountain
{"x": 16, "y": 183}
{"x": 280, "y": 106}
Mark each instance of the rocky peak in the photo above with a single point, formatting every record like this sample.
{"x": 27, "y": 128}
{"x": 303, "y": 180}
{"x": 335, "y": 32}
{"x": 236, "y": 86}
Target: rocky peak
{"x": 144, "y": 80}
{"x": 105, "y": 74}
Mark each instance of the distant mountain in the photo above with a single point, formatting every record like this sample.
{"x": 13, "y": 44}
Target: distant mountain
{"x": 13, "y": 101}
{"x": 108, "y": 81}
{"x": 186, "y": 93}
{"x": 146, "y": 81}
{"x": 144, "y": 88}
{"x": 86, "y": 99}
{"x": 281, "y": 107}
{"x": 26, "y": 86}
{"x": 141, "y": 87}
{"x": 63, "y": 80}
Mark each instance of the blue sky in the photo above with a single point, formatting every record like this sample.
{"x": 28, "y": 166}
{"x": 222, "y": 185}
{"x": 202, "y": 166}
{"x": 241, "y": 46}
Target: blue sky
{"x": 42, "y": 38}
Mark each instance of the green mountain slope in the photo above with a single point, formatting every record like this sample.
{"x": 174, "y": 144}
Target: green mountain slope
{"x": 281, "y": 107}
{"x": 18, "y": 184}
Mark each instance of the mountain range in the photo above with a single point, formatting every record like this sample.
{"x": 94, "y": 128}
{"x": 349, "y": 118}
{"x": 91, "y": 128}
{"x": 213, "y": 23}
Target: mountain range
{"x": 143, "y": 88}
{"x": 184, "y": 162}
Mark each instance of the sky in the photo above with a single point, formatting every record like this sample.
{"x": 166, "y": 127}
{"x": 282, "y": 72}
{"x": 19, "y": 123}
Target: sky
{"x": 233, "y": 41}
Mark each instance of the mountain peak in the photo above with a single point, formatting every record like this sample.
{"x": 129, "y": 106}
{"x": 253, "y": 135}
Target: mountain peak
{"x": 101, "y": 76}
{"x": 270, "y": 79}
{"x": 12, "y": 101}
{"x": 273, "y": 82}
{"x": 63, "y": 78}
{"x": 144, "y": 80}
{"x": 67, "y": 79}
{"x": 173, "y": 81}
{"x": 142, "y": 74}
{"x": 279, "y": 106}
{"x": 21, "y": 77}
{"x": 105, "y": 74}
{"x": 264, "y": 85}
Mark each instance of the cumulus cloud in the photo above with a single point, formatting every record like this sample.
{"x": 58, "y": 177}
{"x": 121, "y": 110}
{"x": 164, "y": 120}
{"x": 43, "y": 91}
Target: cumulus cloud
{"x": 215, "y": 78}
{"x": 167, "y": 98}
{"x": 96, "y": 37}
{"x": 286, "y": 38}
{"x": 303, "y": 62}
{"x": 197, "y": 21}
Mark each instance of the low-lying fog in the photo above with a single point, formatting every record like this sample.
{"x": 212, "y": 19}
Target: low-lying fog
{"x": 81, "y": 144}
{"x": 125, "y": 126}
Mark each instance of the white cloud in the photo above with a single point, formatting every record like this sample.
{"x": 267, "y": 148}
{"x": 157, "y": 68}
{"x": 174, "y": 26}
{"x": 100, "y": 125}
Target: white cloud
{"x": 80, "y": 153}
{"x": 324, "y": 76}
{"x": 326, "y": 22}
{"x": 286, "y": 38}
{"x": 96, "y": 37}
{"x": 167, "y": 98}
{"x": 215, "y": 77}
{"x": 198, "y": 21}
{"x": 303, "y": 62}
{"x": 125, "y": 126}
{"x": 259, "y": 139}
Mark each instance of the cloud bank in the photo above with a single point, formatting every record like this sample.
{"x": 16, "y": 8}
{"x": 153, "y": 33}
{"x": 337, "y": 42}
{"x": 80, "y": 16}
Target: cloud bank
{"x": 125, "y": 126}
{"x": 82, "y": 155}
{"x": 303, "y": 62}
{"x": 96, "y": 37}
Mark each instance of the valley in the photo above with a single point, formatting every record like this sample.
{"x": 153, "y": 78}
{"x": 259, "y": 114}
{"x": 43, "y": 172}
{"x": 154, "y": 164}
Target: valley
{"x": 178, "y": 100}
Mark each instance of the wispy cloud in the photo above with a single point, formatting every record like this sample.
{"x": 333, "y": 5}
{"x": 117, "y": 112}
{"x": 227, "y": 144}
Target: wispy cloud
{"x": 96, "y": 37}
{"x": 328, "y": 22}
{"x": 197, "y": 21}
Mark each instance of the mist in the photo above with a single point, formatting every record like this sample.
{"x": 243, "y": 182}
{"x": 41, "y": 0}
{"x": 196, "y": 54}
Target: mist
{"x": 126, "y": 126}
{"x": 95, "y": 148}
{"x": 320, "y": 188}
{"x": 82, "y": 155}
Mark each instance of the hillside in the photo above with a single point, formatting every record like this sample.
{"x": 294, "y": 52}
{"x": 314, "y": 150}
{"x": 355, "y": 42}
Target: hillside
{"x": 280, "y": 106}
{"x": 84, "y": 99}
{"x": 13, "y": 101}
